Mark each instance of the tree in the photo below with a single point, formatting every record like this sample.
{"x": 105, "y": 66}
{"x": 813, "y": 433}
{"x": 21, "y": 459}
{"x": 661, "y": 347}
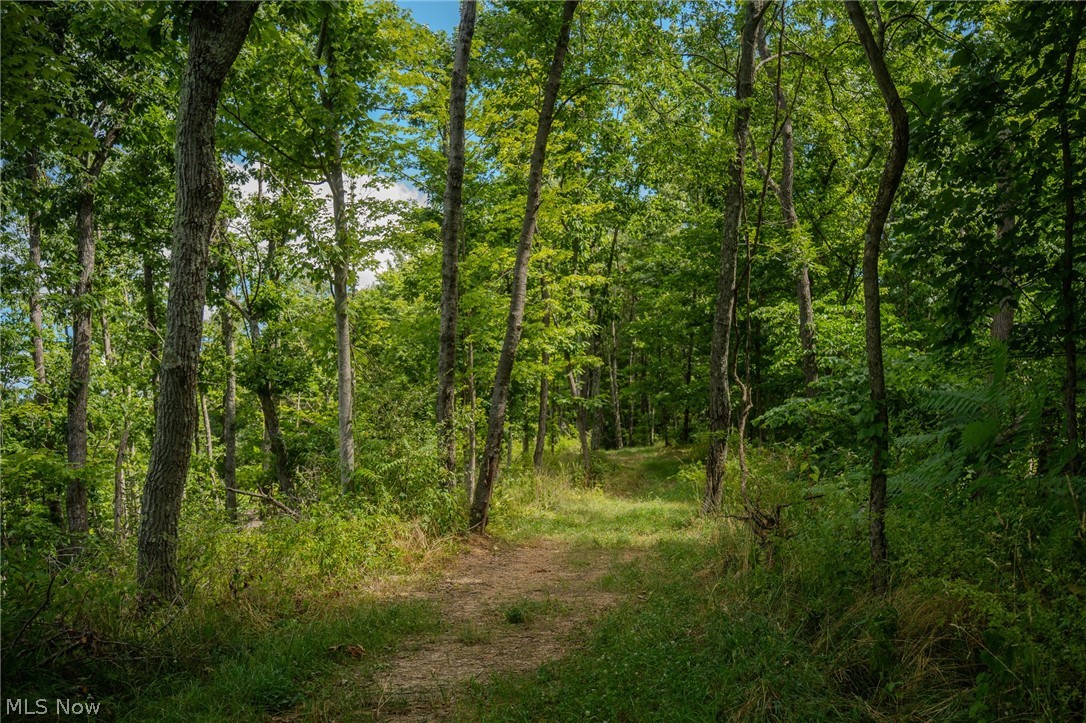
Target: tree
{"x": 216, "y": 34}
{"x": 499, "y": 398}
{"x": 876, "y": 225}
{"x": 720, "y": 406}
{"x": 452, "y": 219}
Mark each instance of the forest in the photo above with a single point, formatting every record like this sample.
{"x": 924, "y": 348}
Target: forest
{"x": 602, "y": 360}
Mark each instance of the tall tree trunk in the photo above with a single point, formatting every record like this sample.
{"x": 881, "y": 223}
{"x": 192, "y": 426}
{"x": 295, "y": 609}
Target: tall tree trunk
{"x": 34, "y": 237}
{"x": 216, "y": 34}
{"x": 340, "y": 270}
{"x": 450, "y": 229}
{"x": 480, "y": 504}
{"x": 581, "y": 420}
{"x": 344, "y": 370}
{"x": 616, "y": 401}
{"x": 684, "y": 437}
{"x": 720, "y": 406}
{"x": 541, "y": 428}
{"x": 1070, "y": 383}
{"x": 470, "y": 465}
{"x": 119, "y": 517}
{"x": 876, "y": 224}
{"x": 269, "y": 408}
{"x": 786, "y": 197}
{"x": 79, "y": 380}
{"x": 544, "y": 379}
{"x": 229, "y": 413}
{"x": 207, "y": 425}
{"x": 152, "y": 320}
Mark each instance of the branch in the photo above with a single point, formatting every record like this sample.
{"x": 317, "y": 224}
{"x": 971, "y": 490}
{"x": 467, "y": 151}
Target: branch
{"x": 268, "y": 498}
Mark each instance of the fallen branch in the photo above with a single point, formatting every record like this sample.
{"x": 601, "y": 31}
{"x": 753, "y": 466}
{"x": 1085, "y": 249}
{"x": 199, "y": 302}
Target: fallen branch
{"x": 261, "y": 496}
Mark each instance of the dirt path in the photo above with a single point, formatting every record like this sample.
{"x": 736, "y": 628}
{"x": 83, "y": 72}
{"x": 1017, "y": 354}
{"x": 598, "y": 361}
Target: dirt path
{"x": 505, "y": 608}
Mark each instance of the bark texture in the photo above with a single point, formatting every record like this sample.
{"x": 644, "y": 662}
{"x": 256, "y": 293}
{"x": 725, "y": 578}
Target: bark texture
{"x": 216, "y": 33}
{"x": 499, "y": 398}
{"x": 720, "y": 406}
{"x": 450, "y": 241}
{"x": 876, "y": 224}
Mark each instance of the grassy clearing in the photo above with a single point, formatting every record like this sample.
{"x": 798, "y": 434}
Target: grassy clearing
{"x": 631, "y": 501}
{"x": 707, "y": 632}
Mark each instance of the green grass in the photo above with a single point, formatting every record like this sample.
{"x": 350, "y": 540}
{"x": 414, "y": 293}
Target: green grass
{"x": 633, "y": 500}
{"x": 708, "y": 632}
{"x": 274, "y": 671}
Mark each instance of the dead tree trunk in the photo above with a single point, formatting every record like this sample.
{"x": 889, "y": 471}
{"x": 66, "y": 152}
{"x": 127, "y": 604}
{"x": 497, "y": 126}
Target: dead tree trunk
{"x": 720, "y": 406}
{"x": 876, "y": 224}
{"x": 450, "y": 230}
{"x": 499, "y": 398}
{"x": 216, "y": 34}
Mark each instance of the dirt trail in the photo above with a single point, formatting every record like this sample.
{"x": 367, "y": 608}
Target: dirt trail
{"x": 505, "y": 608}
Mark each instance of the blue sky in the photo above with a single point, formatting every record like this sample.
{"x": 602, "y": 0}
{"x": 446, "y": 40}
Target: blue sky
{"x": 437, "y": 14}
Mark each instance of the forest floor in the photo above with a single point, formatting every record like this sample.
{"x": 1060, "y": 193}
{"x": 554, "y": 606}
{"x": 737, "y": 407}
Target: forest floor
{"x": 526, "y": 595}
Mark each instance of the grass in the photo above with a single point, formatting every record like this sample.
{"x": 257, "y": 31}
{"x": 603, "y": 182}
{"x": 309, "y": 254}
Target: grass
{"x": 275, "y": 671}
{"x": 707, "y": 632}
{"x": 631, "y": 501}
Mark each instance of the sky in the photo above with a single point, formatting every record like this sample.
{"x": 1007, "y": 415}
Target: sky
{"x": 437, "y": 14}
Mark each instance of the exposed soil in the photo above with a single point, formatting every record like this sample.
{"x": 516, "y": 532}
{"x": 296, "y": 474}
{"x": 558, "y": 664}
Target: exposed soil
{"x": 505, "y": 608}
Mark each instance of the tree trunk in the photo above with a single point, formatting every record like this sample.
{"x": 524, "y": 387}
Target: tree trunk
{"x": 544, "y": 380}
{"x": 280, "y": 460}
{"x": 470, "y": 466}
{"x": 119, "y": 517}
{"x": 616, "y": 401}
{"x": 541, "y": 429}
{"x": 1070, "y": 384}
{"x": 34, "y": 237}
{"x": 344, "y": 369}
{"x": 340, "y": 273}
{"x": 684, "y": 437}
{"x": 229, "y": 413}
{"x": 152, "y": 320}
{"x": 216, "y": 34}
{"x": 207, "y": 426}
{"x": 785, "y": 195}
{"x": 720, "y": 406}
{"x": 480, "y": 504}
{"x": 79, "y": 380}
{"x": 581, "y": 420}
{"x": 450, "y": 230}
{"x": 880, "y": 210}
